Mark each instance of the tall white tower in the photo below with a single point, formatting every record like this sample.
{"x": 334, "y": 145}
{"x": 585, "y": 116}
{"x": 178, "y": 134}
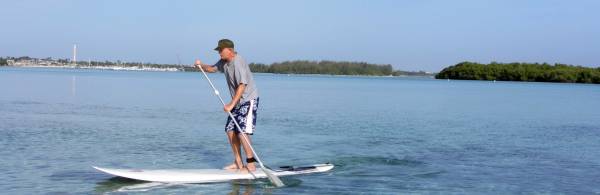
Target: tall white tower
{"x": 74, "y": 54}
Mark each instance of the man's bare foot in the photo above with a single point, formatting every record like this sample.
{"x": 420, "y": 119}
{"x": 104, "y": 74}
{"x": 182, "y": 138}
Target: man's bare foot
{"x": 251, "y": 167}
{"x": 246, "y": 170}
{"x": 232, "y": 166}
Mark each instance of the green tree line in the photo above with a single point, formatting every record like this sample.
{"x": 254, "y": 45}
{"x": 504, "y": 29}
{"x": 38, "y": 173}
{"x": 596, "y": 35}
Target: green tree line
{"x": 521, "y": 72}
{"x": 330, "y": 68}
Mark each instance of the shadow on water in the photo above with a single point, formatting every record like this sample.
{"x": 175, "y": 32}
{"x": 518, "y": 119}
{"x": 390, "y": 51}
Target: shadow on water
{"x": 289, "y": 181}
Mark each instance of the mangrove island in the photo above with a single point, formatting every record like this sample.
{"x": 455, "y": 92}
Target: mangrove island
{"x": 533, "y": 72}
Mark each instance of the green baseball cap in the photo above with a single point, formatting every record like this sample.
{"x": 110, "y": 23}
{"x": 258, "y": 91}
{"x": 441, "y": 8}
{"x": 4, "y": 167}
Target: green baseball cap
{"x": 224, "y": 43}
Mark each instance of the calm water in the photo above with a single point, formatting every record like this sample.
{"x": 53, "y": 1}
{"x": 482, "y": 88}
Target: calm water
{"x": 385, "y": 135}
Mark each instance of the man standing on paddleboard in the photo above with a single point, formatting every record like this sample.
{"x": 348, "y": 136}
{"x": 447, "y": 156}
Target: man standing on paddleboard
{"x": 244, "y": 101}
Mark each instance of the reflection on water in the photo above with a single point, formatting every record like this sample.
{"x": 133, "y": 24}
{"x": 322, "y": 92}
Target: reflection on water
{"x": 115, "y": 184}
{"x": 238, "y": 187}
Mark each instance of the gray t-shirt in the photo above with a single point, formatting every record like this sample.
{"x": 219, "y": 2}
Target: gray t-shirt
{"x": 236, "y": 72}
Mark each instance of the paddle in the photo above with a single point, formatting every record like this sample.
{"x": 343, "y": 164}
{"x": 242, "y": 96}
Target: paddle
{"x": 273, "y": 178}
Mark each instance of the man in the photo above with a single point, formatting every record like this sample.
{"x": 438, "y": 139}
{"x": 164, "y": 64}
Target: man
{"x": 244, "y": 101}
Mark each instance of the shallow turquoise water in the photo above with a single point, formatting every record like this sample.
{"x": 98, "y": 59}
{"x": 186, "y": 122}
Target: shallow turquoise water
{"x": 385, "y": 135}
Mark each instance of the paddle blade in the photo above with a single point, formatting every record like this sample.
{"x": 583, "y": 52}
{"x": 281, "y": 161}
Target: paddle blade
{"x": 273, "y": 178}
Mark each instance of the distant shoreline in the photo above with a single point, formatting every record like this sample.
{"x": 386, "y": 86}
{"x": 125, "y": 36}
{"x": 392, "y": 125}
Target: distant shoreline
{"x": 287, "y": 67}
{"x": 158, "y": 70}
{"x": 112, "y": 68}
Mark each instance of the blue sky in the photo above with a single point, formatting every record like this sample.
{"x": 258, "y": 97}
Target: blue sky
{"x": 411, "y": 35}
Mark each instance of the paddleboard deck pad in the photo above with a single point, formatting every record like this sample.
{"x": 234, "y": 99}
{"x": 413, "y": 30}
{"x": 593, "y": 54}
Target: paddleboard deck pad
{"x": 209, "y": 175}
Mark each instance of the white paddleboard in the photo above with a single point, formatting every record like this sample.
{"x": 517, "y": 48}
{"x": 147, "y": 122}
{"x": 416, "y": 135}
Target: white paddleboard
{"x": 208, "y": 175}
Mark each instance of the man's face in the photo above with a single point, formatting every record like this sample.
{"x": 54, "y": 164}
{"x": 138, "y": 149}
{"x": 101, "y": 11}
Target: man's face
{"x": 225, "y": 53}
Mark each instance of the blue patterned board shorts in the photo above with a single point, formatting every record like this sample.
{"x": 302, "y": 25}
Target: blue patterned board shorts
{"x": 245, "y": 115}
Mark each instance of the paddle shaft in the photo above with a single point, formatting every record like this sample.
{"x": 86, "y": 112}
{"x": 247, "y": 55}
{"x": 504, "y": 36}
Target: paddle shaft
{"x": 244, "y": 136}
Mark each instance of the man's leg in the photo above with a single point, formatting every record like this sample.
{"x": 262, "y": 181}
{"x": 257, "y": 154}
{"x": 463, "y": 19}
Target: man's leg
{"x": 250, "y": 123}
{"x": 234, "y": 141}
{"x": 249, "y": 154}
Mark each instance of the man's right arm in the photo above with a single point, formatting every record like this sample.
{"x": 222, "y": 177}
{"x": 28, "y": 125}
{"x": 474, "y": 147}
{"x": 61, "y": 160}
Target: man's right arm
{"x": 207, "y": 68}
